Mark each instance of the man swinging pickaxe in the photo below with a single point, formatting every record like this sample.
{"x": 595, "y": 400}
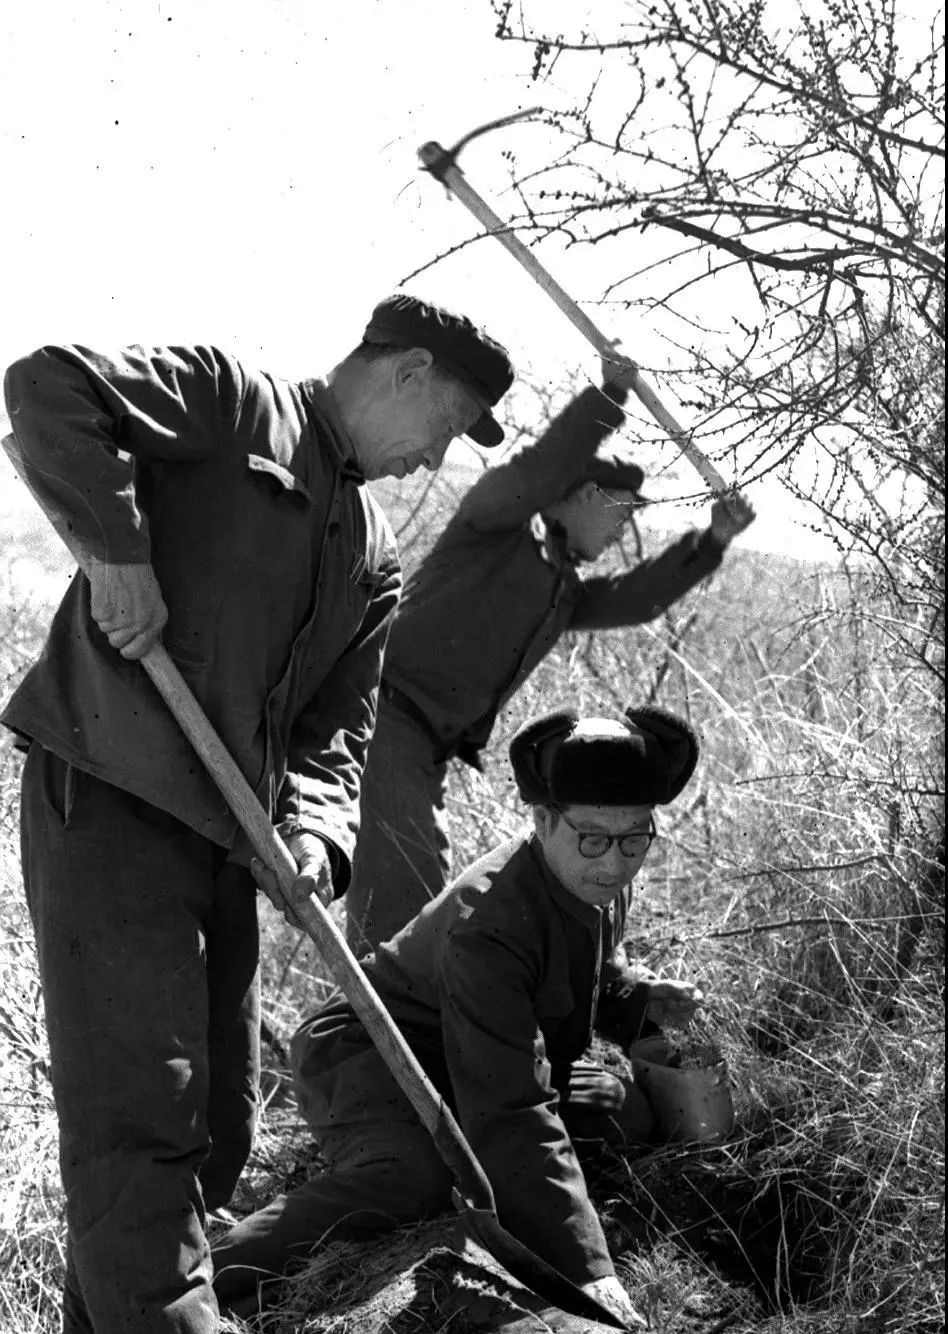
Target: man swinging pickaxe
{"x": 508, "y": 575}
{"x": 442, "y": 164}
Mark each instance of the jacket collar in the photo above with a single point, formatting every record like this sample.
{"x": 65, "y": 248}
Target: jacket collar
{"x": 317, "y": 396}
{"x": 550, "y": 539}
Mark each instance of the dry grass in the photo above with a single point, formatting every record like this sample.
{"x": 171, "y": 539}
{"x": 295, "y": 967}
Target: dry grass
{"x": 31, "y": 1204}
{"x": 799, "y": 881}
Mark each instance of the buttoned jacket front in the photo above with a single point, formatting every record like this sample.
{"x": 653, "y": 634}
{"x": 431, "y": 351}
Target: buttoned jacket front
{"x": 495, "y": 984}
{"x": 278, "y": 569}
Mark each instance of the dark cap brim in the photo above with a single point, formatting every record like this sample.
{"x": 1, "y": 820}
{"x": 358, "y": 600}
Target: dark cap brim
{"x": 486, "y": 431}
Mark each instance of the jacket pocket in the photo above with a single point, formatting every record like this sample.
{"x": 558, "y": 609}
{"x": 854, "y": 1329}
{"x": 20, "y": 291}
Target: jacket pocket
{"x": 186, "y": 656}
{"x": 73, "y": 779}
{"x": 61, "y": 785}
{"x": 283, "y": 480}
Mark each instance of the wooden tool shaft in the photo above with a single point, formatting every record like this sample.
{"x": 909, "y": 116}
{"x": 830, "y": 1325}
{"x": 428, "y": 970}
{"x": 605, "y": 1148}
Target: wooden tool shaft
{"x": 451, "y": 176}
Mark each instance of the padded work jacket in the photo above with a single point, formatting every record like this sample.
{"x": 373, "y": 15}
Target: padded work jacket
{"x": 278, "y": 569}
{"x": 499, "y": 588}
{"x": 495, "y": 985}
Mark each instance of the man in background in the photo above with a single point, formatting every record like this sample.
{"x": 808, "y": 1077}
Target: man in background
{"x": 500, "y": 586}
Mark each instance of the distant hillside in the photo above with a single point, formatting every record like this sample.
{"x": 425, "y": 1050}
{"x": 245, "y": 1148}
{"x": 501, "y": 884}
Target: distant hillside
{"x": 38, "y": 566}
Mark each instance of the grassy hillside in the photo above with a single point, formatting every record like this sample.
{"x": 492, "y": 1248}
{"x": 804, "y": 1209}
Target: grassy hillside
{"x": 801, "y": 881}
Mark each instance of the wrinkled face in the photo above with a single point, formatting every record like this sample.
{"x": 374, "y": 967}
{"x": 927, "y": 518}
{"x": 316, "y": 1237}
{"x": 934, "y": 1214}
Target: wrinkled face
{"x": 598, "y": 879}
{"x": 593, "y": 518}
{"x": 415, "y": 413}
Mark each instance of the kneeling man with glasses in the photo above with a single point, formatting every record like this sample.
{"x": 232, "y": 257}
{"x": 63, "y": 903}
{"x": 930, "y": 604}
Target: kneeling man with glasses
{"x": 497, "y": 985}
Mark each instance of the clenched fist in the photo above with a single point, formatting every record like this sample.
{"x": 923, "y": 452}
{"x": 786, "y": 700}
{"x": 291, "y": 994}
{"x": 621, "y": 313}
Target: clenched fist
{"x": 127, "y": 605}
{"x": 314, "y": 877}
{"x": 730, "y": 515}
{"x": 619, "y": 370}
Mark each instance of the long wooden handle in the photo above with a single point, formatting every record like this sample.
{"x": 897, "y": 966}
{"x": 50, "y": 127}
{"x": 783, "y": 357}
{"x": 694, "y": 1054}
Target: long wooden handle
{"x": 434, "y": 1114}
{"x": 435, "y": 160}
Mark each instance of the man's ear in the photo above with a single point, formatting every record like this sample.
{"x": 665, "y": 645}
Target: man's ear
{"x": 413, "y": 364}
{"x": 542, "y": 821}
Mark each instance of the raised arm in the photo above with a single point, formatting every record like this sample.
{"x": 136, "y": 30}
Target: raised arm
{"x": 632, "y": 597}
{"x": 537, "y": 475}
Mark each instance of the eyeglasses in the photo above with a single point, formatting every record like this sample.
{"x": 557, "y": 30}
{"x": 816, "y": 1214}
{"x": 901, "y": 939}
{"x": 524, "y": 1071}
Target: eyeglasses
{"x": 592, "y": 845}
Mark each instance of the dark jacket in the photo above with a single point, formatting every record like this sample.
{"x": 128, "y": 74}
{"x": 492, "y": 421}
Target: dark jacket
{"x": 278, "y": 569}
{"x": 499, "y": 588}
{"x": 495, "y": 985}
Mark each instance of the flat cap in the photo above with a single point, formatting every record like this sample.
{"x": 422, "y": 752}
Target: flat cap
{"x": 643, "y": 759}
{"x": 456, "y": 344}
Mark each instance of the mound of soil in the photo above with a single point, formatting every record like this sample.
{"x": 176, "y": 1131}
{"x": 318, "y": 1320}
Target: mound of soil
{"x": 429, "y": 1277}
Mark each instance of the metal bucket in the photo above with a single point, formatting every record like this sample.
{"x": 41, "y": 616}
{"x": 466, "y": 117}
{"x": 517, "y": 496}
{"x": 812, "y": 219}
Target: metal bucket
{"x": 690, "y": 1105}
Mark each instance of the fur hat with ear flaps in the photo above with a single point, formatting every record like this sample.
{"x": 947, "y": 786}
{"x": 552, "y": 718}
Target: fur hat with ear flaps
{"x": 643, "y": 759}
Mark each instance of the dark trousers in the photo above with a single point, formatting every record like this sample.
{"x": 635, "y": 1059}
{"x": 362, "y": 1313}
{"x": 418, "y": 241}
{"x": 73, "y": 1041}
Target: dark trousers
{"x": 383, "y": 1168}
{"x": 403, "y": 854}
{"x": 147, "y": 945}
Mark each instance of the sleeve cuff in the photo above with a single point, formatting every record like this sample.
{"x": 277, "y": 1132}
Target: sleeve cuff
{"x": 711, "y": 545}
{"x": 616, "y": 392}
{"x": 622, "y": 1019}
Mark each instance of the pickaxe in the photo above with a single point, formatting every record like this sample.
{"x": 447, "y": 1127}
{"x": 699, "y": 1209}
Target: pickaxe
{"x": 442, "y": 164}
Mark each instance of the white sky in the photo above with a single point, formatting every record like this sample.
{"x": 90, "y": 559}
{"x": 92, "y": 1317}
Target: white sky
{"x": 245, "y": 174}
